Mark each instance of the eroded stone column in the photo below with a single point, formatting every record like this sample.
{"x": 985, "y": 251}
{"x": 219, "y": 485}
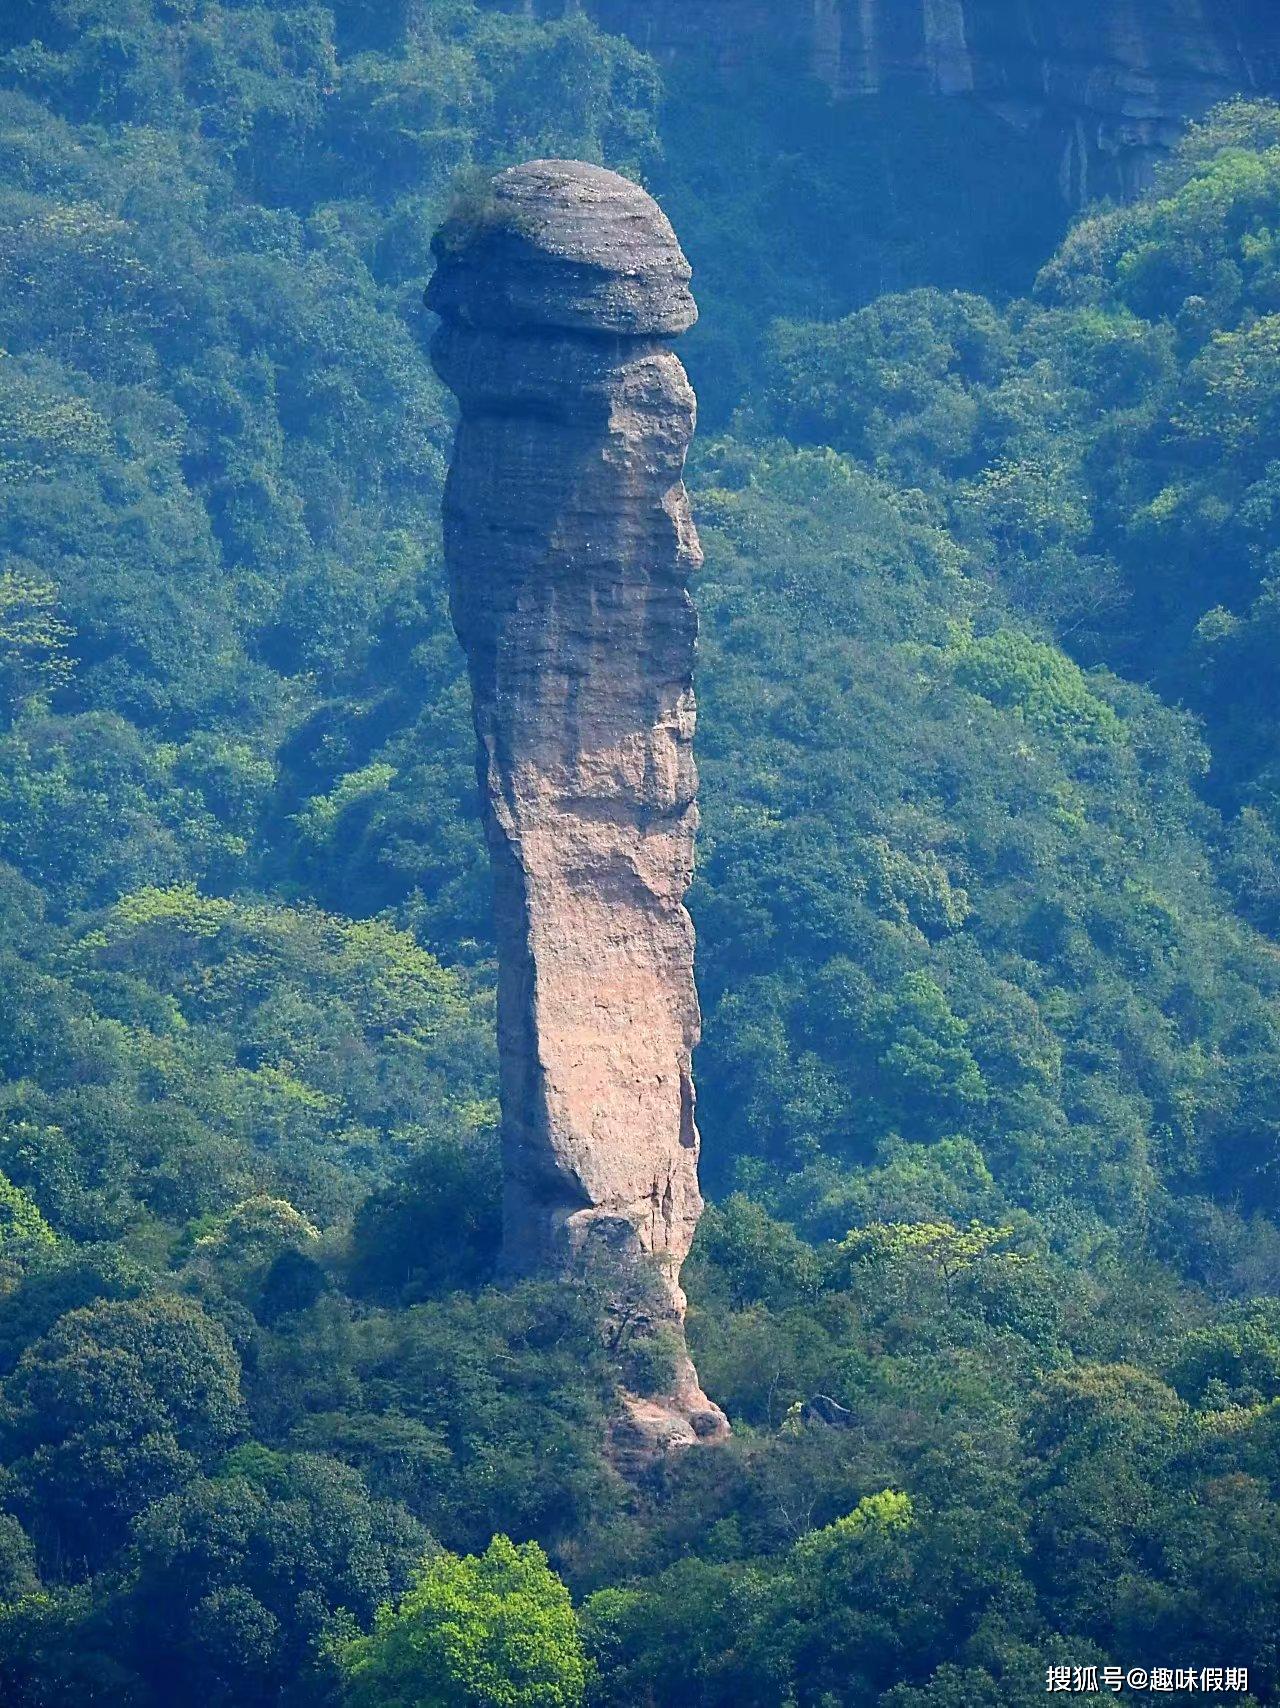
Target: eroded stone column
{"x": 570, "y": 544}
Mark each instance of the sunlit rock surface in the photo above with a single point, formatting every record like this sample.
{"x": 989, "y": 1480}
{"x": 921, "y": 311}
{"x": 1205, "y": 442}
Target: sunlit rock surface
{"x": 570, "y": 546}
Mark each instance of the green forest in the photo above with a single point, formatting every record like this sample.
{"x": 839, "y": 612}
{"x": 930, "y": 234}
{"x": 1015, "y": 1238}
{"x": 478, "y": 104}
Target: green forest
{"x": 988, "y": 902}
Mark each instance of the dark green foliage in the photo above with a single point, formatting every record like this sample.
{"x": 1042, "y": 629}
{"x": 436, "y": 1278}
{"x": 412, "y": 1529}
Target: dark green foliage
{"x": 17, "y": 1561}
{"x": 119, "y": 1402}
{"x": 1111, "y": 445}
{"x": 438, "y": 1225}
{"x": 793, "y": 205}
{"x": 66, "y": 1279}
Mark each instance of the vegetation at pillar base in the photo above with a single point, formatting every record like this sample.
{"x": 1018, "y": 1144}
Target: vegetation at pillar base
{"x": 988, "y": 903}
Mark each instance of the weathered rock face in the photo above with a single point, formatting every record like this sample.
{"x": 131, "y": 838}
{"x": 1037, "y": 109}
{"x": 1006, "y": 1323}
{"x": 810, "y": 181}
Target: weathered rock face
{"x": 570, "y": 545}
{"x": 1114, "y": 81}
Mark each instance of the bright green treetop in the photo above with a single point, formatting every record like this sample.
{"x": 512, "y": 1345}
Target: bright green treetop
{"x": 21, "y": 1224}
{"x": 496, "y": 1629}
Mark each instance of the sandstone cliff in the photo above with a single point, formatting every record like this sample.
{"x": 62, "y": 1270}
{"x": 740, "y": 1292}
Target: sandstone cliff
{"x": 1113, "y": 81}
{"x": 570, "y": 545}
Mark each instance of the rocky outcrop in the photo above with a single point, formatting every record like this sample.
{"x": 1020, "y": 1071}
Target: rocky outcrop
{"x": 570, "y": 545}
{"x": 822, "y": 1409}
{"x": 1112, "y": 82}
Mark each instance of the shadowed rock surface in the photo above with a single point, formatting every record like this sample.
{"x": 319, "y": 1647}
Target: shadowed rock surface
{"x": 1111, "y": 84}
{"x": 570, "y": 545}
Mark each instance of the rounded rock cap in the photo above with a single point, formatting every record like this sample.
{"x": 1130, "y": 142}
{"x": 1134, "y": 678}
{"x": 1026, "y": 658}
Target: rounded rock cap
{"x": 562, "y": 245}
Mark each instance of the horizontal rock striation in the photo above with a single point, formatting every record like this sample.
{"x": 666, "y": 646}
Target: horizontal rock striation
{"x": 570, "y": 544}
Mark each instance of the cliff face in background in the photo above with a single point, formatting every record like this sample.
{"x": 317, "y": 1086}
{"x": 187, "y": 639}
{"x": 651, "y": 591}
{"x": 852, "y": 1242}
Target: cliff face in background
{"x": 570, "y": 544}
{"x": 1112, "y": 80}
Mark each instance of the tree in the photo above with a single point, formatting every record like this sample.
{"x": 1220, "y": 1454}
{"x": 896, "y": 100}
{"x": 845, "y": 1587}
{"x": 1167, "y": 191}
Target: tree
{"x": 1103, "y": 1435}
{"x": 242, "y": 1250}
{"x": 22, "y": 1228}
{"x": 117, "y": 1404}
{"x": 1238, "y": 1357}
{"x": 18, "y": 1575}
{"x": 759, "y": 1257}
{"x": 938, "y": 1249}
{"x": 496, "y": 1630}
{"x": 237, "y": 1580}
{"x": 33, "y": 638}
{"x": 68, "y": 1277}
{"x": 438, "y": 1225}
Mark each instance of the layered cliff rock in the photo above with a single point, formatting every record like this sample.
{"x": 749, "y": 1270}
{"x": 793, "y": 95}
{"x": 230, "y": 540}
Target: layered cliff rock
{"x": 570, "y": 544}
{"x": 1112, "y": 82}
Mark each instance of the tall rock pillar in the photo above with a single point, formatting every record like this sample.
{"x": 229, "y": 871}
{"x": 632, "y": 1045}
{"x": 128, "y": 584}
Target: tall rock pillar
{"x": 570, "y": 544}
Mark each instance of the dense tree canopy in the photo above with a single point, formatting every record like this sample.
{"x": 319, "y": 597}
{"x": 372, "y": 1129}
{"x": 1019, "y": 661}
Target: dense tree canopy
{"x": 496, "y": 1630}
